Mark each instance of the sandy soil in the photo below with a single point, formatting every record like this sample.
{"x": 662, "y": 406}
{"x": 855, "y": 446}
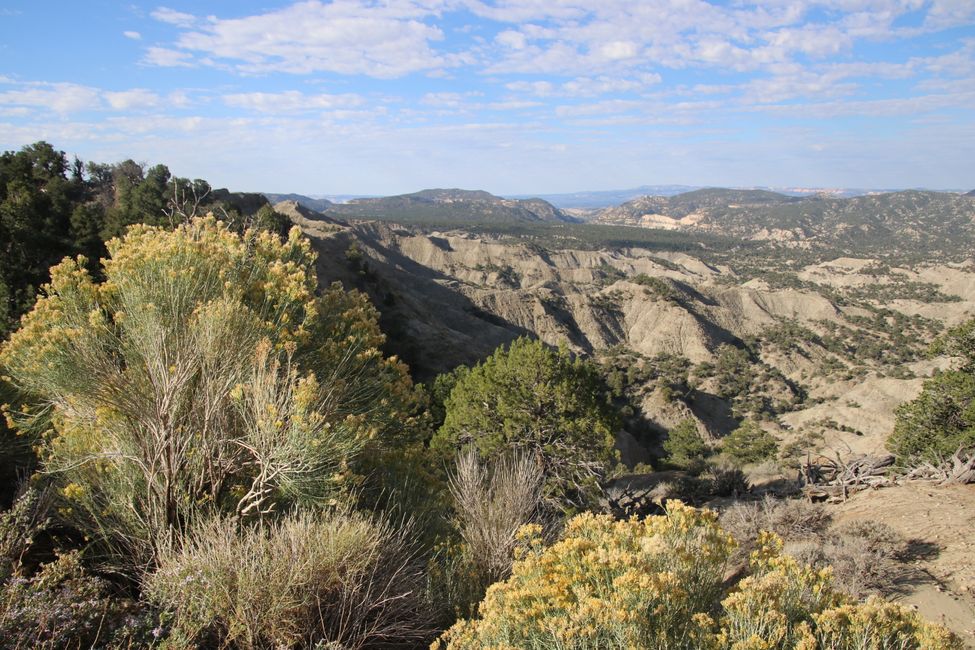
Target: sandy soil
{"x": 941, "y": 519}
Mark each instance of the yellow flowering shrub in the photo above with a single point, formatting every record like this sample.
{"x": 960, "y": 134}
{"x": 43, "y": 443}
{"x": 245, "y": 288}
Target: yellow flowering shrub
{"x": 786, "y": 605}
{"x": 607, "y": 584}
{"x": 206, "y": 374}
{"x": 657, "y": 584}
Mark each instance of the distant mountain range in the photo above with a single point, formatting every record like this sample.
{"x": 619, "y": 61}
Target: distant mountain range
{"x": 909, "y": 222}
{"x": 906, "y": 221}
{"x": 608, "y": 198}
{"x": 447, "y": 206}
{"x": 318, "y": 205}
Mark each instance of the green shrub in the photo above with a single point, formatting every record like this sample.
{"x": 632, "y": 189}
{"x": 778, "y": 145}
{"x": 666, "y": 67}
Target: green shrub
{"x": 749, "y": 443}
{"x": 941, "y": 419}
{"x": 725, "y": 480}
{"x": 786, "y": 604}
{"x": 205, "y": 375}
{"x": 596, "y": 586}
{"x": 530, "y": 399}
{"x": 685, "y": 447}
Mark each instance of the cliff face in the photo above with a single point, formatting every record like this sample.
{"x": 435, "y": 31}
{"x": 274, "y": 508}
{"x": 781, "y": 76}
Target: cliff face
{"x": 910, "y": 222}
{"x": 450, "y": 298}
{"x": 455, "y": 296}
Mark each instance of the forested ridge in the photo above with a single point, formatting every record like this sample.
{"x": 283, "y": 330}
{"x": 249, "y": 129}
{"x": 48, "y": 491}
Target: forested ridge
{"x": 209, "y": 444}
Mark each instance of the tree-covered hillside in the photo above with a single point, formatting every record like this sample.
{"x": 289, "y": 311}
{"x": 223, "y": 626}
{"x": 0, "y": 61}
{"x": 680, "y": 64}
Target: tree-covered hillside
{"x": 52, "y": 207}
{"x": 451, "y": 206}
{"x": 910, "y": 223}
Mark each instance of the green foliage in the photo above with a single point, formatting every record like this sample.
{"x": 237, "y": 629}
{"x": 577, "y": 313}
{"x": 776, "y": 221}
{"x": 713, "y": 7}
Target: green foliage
{"x": 657, "y": 583}
{"x": 203, "y": 376}
{"x": 36, "y": 200}
{"x": 941, "y": 419}
{"x": 443, "y": 384}
{"x": 528, "y": 398}
{"x": 329, "y": 578}
{"x": 733, "y": 369}
{"x": 506, "y": 275}
{"x": 749, "y": 443}
{"x": 606, "y": 274}
{"x": 268, "y": 219}
{"x": 658, "y": 287}
{"x": 50, "y": 208}
{"x": 959, "y": 341}
{"x": 685, "y": 447}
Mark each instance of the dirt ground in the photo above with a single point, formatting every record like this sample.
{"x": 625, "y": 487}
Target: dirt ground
{"x": 940, "y": 520}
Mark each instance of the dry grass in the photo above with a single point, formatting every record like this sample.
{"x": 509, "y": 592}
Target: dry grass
{"x": 337, "y": 578}
{"x": 792, "y": 520}
{"x": 867, "y": 557}
{"x": 492, "y": 503}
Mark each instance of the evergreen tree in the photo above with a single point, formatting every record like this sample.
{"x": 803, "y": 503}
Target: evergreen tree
{"x": 941, "y": 420}
{"x": 749, "y": 443}
{"x": 531, "y": 399}
{"x": 685, "y": 447}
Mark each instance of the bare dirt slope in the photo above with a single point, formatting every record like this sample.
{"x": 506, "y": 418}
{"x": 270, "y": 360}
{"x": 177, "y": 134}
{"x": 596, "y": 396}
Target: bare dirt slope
{"x": 940, "y": 519}
{"x": 451, "y": 297}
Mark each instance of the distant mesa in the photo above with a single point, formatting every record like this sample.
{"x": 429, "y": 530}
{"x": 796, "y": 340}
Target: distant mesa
{"x": 972, "y": 193}
{"x": 445, "y": 206}
{"x": 450, "y": 207}
{"x": 301, "y": 214}
{"x": 910, "y": 220}
{"x": 318, "y": 205}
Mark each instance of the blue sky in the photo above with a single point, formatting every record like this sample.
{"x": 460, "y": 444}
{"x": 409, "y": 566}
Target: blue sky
{"x": 512, "y": 96}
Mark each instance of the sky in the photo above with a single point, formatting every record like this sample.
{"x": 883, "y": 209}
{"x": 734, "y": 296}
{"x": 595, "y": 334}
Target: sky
{"x": 511, "y": 96}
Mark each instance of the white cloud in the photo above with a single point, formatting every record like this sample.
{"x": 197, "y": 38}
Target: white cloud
{"x": 586, "y": 86}
{"x": 68, "y": 98}
{"x": 444, "y": 99}
{"x": 173, "y": 17}
{"x": 291, "y": 101}
{"x": 512, "y": 105}
{"x": 132, "y": 99}
{"x": 945, "y": 14}
{"x": 510, "y": 38}
{"x": 616, "y": 50}
{"x": 591, "y": 86}
{"x": 607, "y": 107}
{"x": 576, "y": 37}
{"x": 346, "y": 36}
{"x": 537, "y": 88}
{"x": 900, "y": 106}
{"x": 135, "y": 36}
{"x": 58, "y": 97}
{"x": 167, "y": 58}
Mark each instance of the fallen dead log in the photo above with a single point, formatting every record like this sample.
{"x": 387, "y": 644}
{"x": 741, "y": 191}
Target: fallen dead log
{"x": 837, "y": 477}
{"x": 959, "y": 469}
